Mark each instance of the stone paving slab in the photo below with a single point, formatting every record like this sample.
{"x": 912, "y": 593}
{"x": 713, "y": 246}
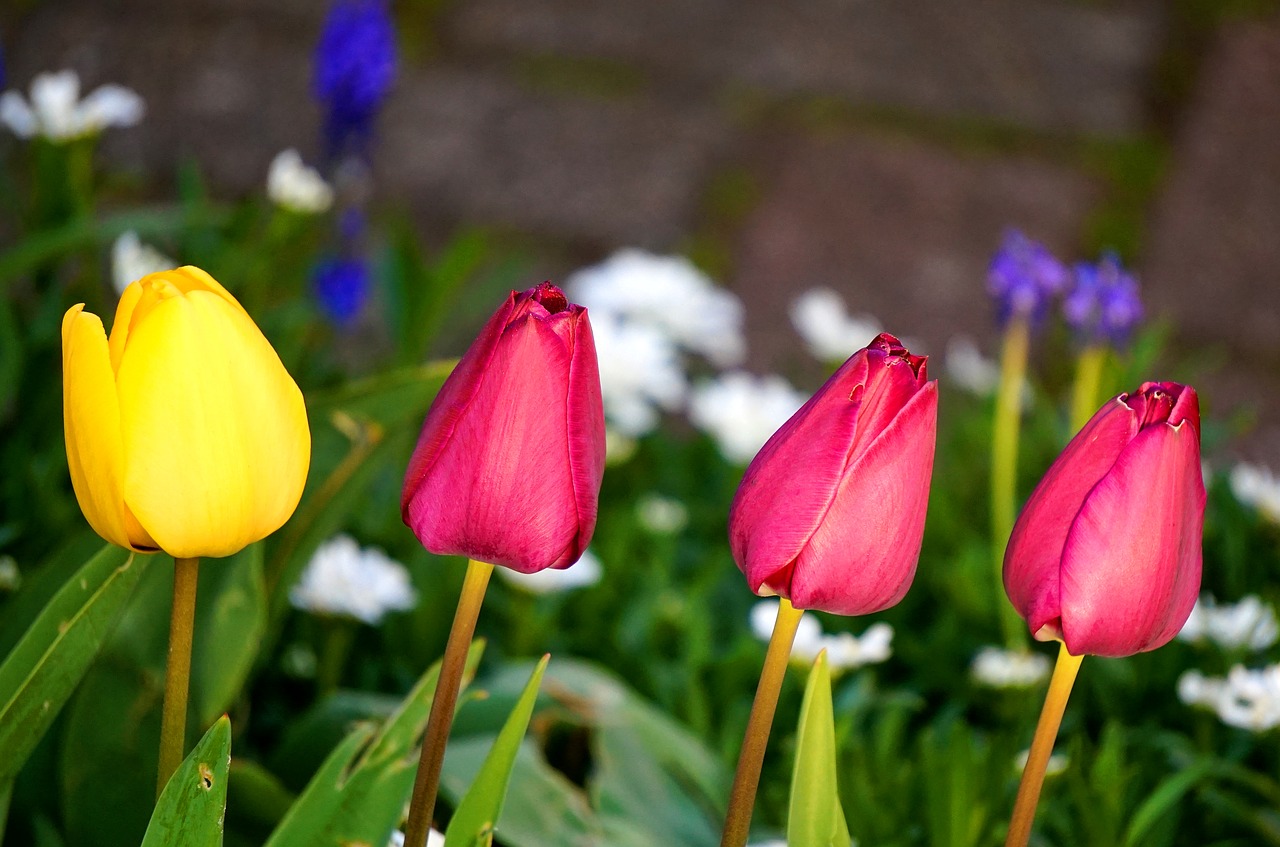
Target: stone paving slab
{"x": 1044, "y": 65}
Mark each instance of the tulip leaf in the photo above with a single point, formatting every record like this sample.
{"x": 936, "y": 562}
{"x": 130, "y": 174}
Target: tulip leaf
{"x": 232, "y": 615}
{"x": 815, "y": 818}
{"x": 477, "y": 815}
{"x": 48, "y": 662}
{"x": 359, "y": 794}
{"x": 1162, "y": 800}
{"x": 191, "y": 808}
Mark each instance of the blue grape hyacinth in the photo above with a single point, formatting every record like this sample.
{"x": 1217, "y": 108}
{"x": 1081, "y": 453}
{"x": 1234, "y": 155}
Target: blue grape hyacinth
{"x": 341, "y": 286}
{"x": 1023, "y": 278}
{"x": 1103, "y": 305}
{"x": 355, "y": 67}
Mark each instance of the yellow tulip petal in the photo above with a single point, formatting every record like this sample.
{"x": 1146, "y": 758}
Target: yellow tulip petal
{"x": 91, "y": 418}
{"x": 141, "y": 296}
{"x": 215, "y": 433}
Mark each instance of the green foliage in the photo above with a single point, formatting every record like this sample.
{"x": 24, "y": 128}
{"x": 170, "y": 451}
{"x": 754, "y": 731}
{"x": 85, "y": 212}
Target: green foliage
{"x": 815, "y": 818}
{"x": 191, "y": 807}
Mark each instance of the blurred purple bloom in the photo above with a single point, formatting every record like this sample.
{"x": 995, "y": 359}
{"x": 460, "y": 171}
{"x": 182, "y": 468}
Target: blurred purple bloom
{"x": 355, "y": 66}
{"x": 1023, "y": 277}
{"x": 341, "y": 287}
{"x": 1103, "y": 305}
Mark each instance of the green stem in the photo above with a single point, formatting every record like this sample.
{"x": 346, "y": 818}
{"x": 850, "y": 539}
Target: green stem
{"x": 1006, "y": 428}
{"x": 427, "y": 783}
{"x": 742, "y": 797}
{"x": 1084, "y": 395}
{"x": 1055, "y": 702}
{"x": 339, "y": 633}
{"x": 177, "y": 678}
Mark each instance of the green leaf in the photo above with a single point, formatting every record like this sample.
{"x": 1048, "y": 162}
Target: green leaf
{"x": 359, "y": 793}
{"x": 815, "y": 818}
{"x": 191, "y": 807}
{"x": 46, "y": 665}
{"x": 477, "y": 815}
{"x": 232, "y": 612}
{"x": 1161, "y": 801}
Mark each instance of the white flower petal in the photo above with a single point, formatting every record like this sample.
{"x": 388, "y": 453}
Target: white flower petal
{"x": 586, "y": 571}
{"x": 362, "y": 583}
{"x": 293, "y": 185}
{"x": 741, "y": 411}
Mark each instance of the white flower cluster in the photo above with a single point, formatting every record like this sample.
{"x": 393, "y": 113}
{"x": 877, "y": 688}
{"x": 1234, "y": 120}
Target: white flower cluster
{"x": 740, "y": 411}
{"x": 131, "y": 260}
{"x": 646, "y": 310}
{"x": 845, "y": 651}
{"x": 1249, "y": 623}
{"x": 830, "y": 333}
{"x": 661, "y": 515}
{"x": 1245, "y": 698}
{"x": 56, "y": 112}
{"x": 586, "y": 571}
{"x": 967, "y": 368}
{"x": 346, "y": 580}
{"x": 995, "y": 667}
{"x": 1257, "y": 487}
{"x": 1057, "y": 764}
{"x": 294, "y": 186}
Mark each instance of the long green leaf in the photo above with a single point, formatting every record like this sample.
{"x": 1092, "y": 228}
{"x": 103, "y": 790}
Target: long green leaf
{"x": 233, "y": 620}
{"x": 477, "y": 815}
{"x": 814, "y": 818}
{"x": 191, "y": 807}
{"x": 45, "y": 666}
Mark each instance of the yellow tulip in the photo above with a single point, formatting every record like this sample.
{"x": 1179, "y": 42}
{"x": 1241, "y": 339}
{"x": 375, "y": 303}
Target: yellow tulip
{"x": 184, "y": 431}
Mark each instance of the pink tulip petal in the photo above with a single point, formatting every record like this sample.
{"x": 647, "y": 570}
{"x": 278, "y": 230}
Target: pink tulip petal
{"x": 863, "y": 555}
{"x": 585, "y": 417}
{"x": 1131, "y": 563}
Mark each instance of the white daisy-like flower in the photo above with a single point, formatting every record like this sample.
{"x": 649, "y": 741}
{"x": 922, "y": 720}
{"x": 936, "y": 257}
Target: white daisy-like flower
{"x": 967, "y": 368}
{"x": 56, "y": 112}
{"x": 828, "y": 330}
{"x": 345, "y": 579}
{"x": 1256, "y": 486}
{"x": 586, "y": 571}
{"x": 292, "y": 185}
{"x": 641, "y": 374}
{"x": 131, "y": 260}
{"x": 1246, "y": 698}
{"x": 845, "y": 651}
{"x": 1058, "y": 762}
{"x": 741, "y": 411}
{"x": 995, "y": 667}
{"x": 10, "y": 576}
{"x": 1248, "y": 623}
{"x": 434, "y": 839}
{"x": 661, "y": 515}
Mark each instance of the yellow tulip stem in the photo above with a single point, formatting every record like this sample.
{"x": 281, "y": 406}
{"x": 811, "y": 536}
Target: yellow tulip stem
{"x": 742, "y": 796}
{"x": 1055, "y": 703}
{"x": 1084, "y": 395}
{"x": 1005, "y": 430}
{"x": 427, "y": 783}
{"x": 177, "y": 677}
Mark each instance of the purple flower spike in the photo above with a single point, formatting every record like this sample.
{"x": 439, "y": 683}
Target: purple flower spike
{"x": 355, "y": 66}
{"x": 342, "y": 287}
{"x": 1023, "y": 277}
{"x": 1104, "y": 305}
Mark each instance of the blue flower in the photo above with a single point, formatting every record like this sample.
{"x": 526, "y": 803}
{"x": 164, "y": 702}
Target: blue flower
{"x": 355, "y": 66}
{"x": 1023, "y": 278}
{"x": 1104, "y": 305}
{"x": 341, "y": 287}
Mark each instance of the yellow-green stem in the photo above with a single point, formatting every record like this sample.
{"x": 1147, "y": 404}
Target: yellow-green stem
{"x": 1055, "y": 702}
{"x": 1084, "y": 395}
{"x": 1005, "y": 431}
{"x": 177, "y": 677}
{"x": 742, "y": 797}
{"x": 425, "y": 786}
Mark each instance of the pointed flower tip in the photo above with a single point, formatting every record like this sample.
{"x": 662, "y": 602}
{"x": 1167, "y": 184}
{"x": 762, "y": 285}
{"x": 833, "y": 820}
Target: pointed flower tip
{"x": 551, "y": 297}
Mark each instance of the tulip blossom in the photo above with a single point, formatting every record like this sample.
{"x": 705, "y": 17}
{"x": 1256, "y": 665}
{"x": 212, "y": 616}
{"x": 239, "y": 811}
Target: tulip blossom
{"x": 509, "y": 463}
{"x": 184, "y": 431}
{"x": 830, "y": 513}
{"x": 1106, "y": 554}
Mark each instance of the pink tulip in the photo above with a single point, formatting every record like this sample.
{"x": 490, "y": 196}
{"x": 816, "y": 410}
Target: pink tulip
{"x": 508, "y": 466}
{"x": 830, "y": 513}
{"x": 1106, "y": 554}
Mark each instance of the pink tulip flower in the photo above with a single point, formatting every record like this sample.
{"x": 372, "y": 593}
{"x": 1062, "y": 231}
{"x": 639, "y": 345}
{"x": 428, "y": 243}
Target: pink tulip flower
{"x": 508, "y": 466}
{"x": 1106, "y": 554}
{"x": 830, "y": 513}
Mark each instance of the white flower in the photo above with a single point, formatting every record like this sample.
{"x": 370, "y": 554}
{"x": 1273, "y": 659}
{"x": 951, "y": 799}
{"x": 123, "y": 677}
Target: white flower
{"x": 434, "y": 839}
{"x": 131, "y": 260}
{"x": 640, "y": 373}
{"x": 845, "y": 651}
{"x": 1057, "y": 763}
{"x": 10, "y": 576}
{"x": 998, "y": 668}
{"x": 57, "y": 112}
{"x": 669, "y": 293}
{"x": 294, "y": 186}
{"x": 1249, "y": 623}
{"x": 586, "y": 571}
{"x": 1247, "y": 699}
{"x": 740, "y": 411}
{"x": 1257, "y": 487}
{"x": 661, "y": 515}
{"x": 820, "y": 317}
{"x": 362, "y": 583}
{"x": 969, "y": 369}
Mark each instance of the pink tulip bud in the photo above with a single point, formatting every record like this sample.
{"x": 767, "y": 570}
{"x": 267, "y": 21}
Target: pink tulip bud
{"x": 508, "y": 466}
{"x": 830, "y": 513}
{"x": 1106, "y": 554}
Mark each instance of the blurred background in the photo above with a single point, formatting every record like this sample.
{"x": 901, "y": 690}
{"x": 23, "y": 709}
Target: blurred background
{"x": 872, "y": 147}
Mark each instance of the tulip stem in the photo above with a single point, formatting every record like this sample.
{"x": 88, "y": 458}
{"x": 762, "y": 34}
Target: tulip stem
{"x": 1006, "y": 427}
{"x": 742, "y": 797}
{"x": 1084, "y": 395}
{"x": 177, "y": 677}
{"x": 425, "y": 786}
{"x": 1055, "y": 702}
